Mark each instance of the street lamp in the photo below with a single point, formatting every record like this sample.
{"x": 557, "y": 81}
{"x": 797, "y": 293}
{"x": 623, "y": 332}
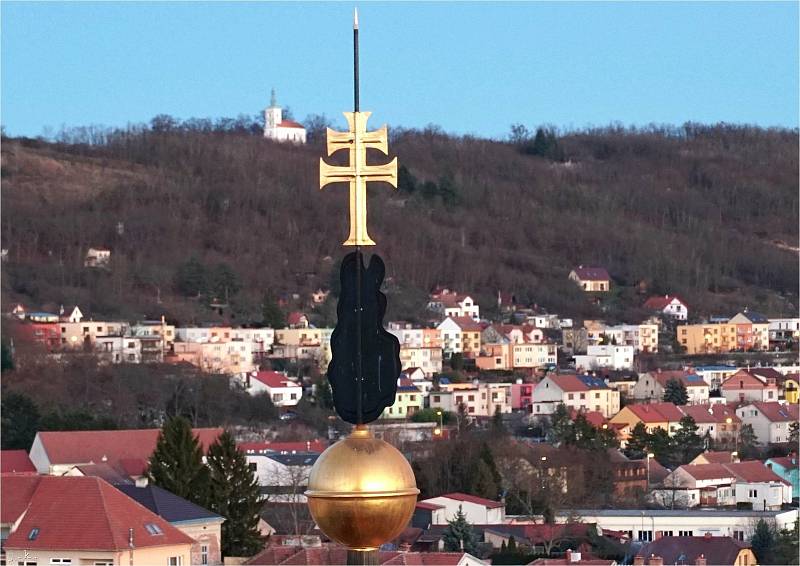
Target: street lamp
{"x": 729, "y": 422}
{"x": 649, "y": 455}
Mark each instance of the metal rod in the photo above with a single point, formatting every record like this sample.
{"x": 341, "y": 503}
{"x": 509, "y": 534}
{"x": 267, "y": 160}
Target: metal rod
{"x": 359, "y": 376}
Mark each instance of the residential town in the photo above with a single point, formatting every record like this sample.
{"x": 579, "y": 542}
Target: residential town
{"x": 698, "y": 453}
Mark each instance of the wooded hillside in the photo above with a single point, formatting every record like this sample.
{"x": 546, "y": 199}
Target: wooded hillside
{"x": 704, "y": 212}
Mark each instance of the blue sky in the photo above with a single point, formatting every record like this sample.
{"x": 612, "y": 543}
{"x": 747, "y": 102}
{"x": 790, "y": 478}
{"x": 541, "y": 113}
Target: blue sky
{"x": 469, "y": 67}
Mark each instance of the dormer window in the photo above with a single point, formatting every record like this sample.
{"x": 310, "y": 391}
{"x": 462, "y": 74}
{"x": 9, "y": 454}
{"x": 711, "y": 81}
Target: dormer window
{"x": 153, "y": 529}
{"x": 33, "y": 534}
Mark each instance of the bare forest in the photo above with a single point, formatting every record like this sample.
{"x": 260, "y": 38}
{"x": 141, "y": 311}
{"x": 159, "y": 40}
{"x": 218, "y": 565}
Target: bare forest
{"x": 197, "y": 211}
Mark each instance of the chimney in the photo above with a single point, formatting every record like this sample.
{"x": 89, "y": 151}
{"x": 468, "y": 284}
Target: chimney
{"x": 638, "y": 560}
{"x": 707, "y": 536}
{"x": 700, "y": 560}
{"x": 655, "y": 560}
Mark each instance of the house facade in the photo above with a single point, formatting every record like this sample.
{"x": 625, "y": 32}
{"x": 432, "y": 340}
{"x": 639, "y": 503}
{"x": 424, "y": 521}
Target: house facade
{"x": 668, "y": 305}
{"x": 582, "y": 393}
{"x": 591, "y": 279}
{"x": 653, "y": 384}
{"x": 771, "y": 422}
{"x": 282, "y": 391}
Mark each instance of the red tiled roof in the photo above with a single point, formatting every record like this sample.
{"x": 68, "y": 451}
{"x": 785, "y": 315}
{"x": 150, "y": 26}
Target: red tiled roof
{"x": 716, "y": 550}
{"x": 429, "y": 506}
{"x": 473, "y": 499}
{"x": 753, "y": 471}
{"x": 708, "y": 471}
{"x": 786, "y": 462}
{"x": 594, "y": 418}
{"x": 661, "y": 302}
{"x": 591, "y": 273}
{"x": 569, "y": 383}
{"x": 767, "y": 373}
{"x": 100, "y": 517}
{"x": 274, "y": 379}
{"x": 116, "y": 446}
{"x": 663, "y": 377}
{"x": 466, "y": 323}
{"x": 717, "y": 413}
{"x": 16, "y": 461}
{"x": 656, "y": 412}
{"x": 15, "y": 494}
{"x": 335, "y": 554}
{"x": 717, "y": 457}
{"x": 742, "y": 380}
{"x": 315, "y": 445}
{"x": 424, "y": 559}
{"x": 295, "y": 317}
{"x": 776, "y": 412}
{"x": 290, "y": 124}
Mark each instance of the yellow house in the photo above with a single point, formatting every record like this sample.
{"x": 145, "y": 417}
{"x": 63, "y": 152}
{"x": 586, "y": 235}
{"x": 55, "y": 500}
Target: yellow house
{"x": 591, "y": 279}
{"x": 298, "y": 336}
{"x": 791, "y": 388}
{"x": 409, "y": 400}
{"x": 654, "y": 415}
{"x": 707, "y": 338}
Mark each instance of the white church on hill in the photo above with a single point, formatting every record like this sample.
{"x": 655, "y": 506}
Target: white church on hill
{"x": 276, "y": 128}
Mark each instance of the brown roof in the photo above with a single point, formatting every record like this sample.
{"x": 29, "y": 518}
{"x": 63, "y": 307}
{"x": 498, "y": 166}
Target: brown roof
{"x": 742, "y": 380}
{"x": 127, "y": 449}
{"x": 716, "y": 550}
{"x": 753, "y": 471}
{"x": 776, "y": 412}
{"x": 100, "y": 518}
{"x": 466, "y": 323}
{"x": 717, "y": 457}
{"x": 661, "y": 302}
{"x": 708, "y": 471}
{"x": 429, "y": 506}
{"x": 688, "y": 379}
{"x": 717, "y": 413}
{"x": 568, "y": 383}
{"x": 591, "y": 273}
{"x": 16, "y": 461}
{"x": 656, "y": 412}
{"x": 290, "y": 124}
{"x": 473, "y": 499}
{"x": 335, "y": 554}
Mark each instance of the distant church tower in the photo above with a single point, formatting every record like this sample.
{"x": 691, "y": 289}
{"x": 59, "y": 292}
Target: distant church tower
{"x": 276, "y": 128}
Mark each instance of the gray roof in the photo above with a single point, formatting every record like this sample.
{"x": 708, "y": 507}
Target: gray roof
{"x": 167, "y": 505}
{"x": 297, "y": 459}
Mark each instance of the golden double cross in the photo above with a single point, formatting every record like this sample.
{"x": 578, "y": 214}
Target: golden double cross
{"x": 357, "y": 174}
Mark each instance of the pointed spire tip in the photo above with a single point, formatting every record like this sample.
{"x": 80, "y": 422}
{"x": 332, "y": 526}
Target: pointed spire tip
{"x": 355, "y": 18}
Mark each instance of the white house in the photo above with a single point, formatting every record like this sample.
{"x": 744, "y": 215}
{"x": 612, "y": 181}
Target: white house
{"x": 653, "y": 384}
{"x": 276, "y": 128}
{"x": 668, "y": 305}
{"x": 450, "y": 332}
{"x": 479, "y": 400}
{"x": 580, "y": 392}
{"x": 477, "y": 510}
{"x": 648, "y": 524}
{"x": 643, "y": 337}
{"x": 119, "y": 349}
{"x": 450, "y": 303}
{"x": 260, "y": 338}
{"x": 607, "y": 356}
{"x": 283, "y": 477}
{"x": 427, "y": 359}
{"x": 714, "y": 375}
{"x": 97, "y": 257}
{"x": 282, "y": 391}
{"x": 770, "y": 421}
{"x": 735, "y": 483}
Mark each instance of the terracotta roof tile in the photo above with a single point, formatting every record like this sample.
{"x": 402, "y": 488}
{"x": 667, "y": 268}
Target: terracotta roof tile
{"x": 274, "y": 379}
{"x": 716, "y": 550}
{"x": 591, "y": 273}
{"x": 15, "y": 495}
{"x": 99, "y": 518}
{"x": 776, "y": 412}
{"x": 16, "y": 461}
{"x": 473, "y": 499}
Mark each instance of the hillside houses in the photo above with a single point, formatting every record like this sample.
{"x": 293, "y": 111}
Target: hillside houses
{"x": 591, "y": 279}
{"x": 579, "y": 392}
{"x": 652, "y": 385}
{"x": 448, "y": 303}
{"x": 771, "y": 421}
{"x": 669, "y": 306}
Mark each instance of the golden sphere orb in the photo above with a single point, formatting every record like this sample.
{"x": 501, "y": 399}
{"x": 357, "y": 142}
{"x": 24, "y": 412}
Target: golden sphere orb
{"x": 362, "y": 491}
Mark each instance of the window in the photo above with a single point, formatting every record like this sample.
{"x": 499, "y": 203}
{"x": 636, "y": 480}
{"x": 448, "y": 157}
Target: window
{"x": 85, "y": 329}
{"x": 471, "y": 398}
{"x": 646, "y": 536}
{"x": 738, "y": 535}
{"x": 596, "y": 395}
{"x": 174, "y": 561}
{"x": 131, "y": 357}
{"x": 253, "y": 466}
{"x": 583, "y": 395}
{"x": 570, "y": 396}
{"x": 204, "y": 554}
{"x": 153, "y": 529}
{"x": 471, "y": 409}
{"x": 294, "y": 396}
{"x": 666, "y": 533}
{"x": 753, "y": 493}
{"x": 277, "y": 397}
{"x": 685, "y": 533}
{"x": 61, "y": 561}
{"x": 436, "y": 398}
{"x": 33, "y": 534}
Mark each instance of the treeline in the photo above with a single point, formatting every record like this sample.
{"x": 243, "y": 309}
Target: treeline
{"x": 79, "y": 394}
{"x": 700, "y": 211}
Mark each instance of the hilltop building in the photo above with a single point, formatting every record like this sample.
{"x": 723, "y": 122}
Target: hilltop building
{"x": 278, "y": 129}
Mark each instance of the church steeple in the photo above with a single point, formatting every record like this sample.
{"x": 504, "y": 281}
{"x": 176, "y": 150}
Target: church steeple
{"x": 273, "y": 100}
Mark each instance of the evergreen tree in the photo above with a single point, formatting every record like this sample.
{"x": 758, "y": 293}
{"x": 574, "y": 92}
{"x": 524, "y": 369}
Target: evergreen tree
{"x": 561, "y": 429}
{"x": 487, "y": 458}
{"x": 191, "y": 278}
{"x": 794, "y": 433}
{"x": 177, "y": 462}
{"x": 271, "y": 314}
{"x": 584, "y": 434}
{"x": 748, "y": 442}
{"x": 498, "y": 428}
{"x": 406, "y": 182}
{"x": 763, "y": 542}
{"x": 323, "y": 393}
{"x": 662, "y": 446}
{"x": 20, "y": 421}
{"x": 480, "y": 481}
{"x": 637, "y": 443}
{"x": 512, "y": 545}
{"x": 675, "y": 392}
{"x": 687, "y": 442}
{"x": 786, "y": 545}
{"x": 7, "y": 363}
{"x": 223, "y": 282}
{"x": 459, "y": 535}
{"x": 234, "y": 493}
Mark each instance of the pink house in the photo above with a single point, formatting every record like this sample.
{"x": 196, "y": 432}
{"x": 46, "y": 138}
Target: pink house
{"x": 522, "y": 396}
